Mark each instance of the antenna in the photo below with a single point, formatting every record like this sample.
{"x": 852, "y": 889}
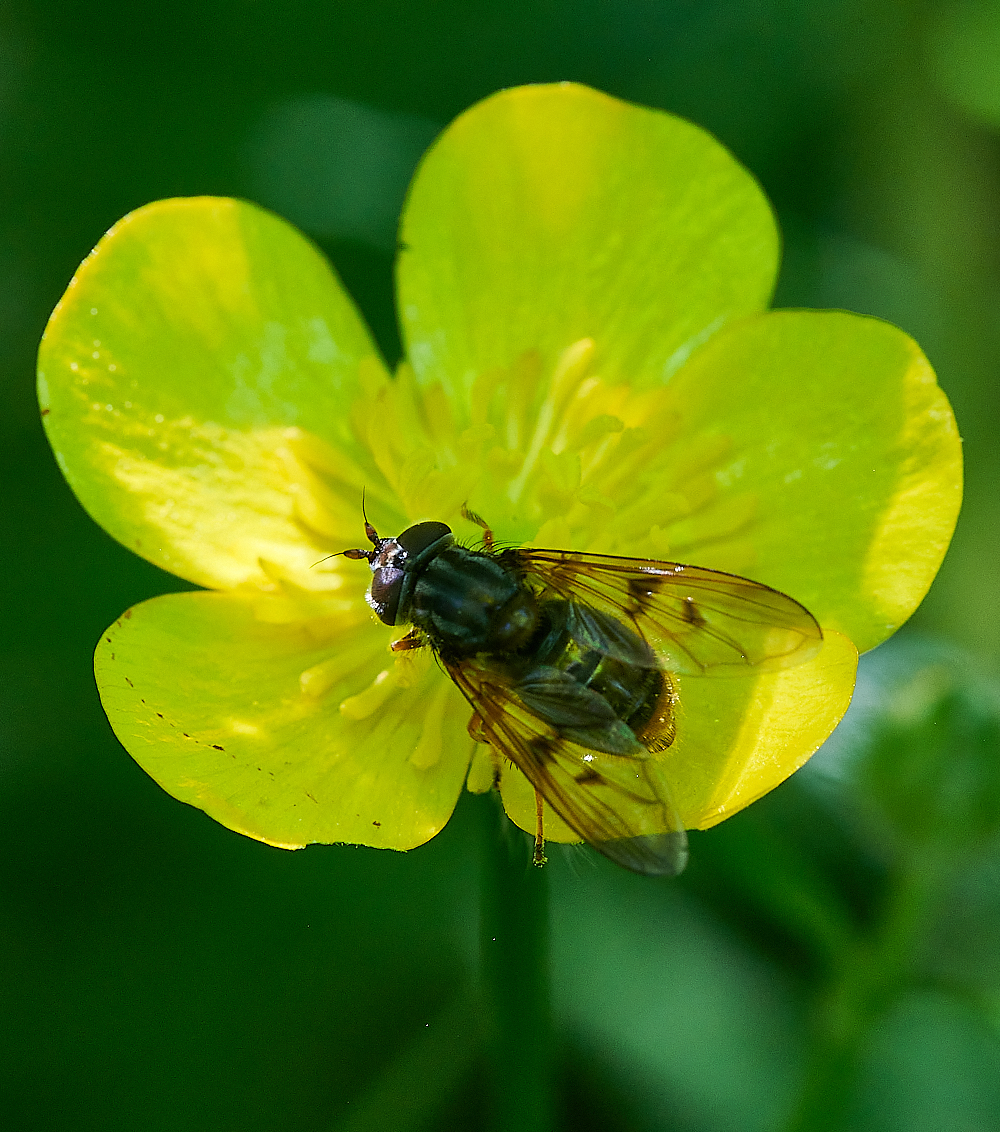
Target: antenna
{"x": 356, "y": 553}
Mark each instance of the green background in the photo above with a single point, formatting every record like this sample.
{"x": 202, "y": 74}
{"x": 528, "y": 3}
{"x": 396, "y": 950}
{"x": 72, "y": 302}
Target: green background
{"x": 159, "y": 971}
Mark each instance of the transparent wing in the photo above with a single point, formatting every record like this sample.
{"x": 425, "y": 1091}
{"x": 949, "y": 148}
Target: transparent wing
{"x": 621, "y": 805}
{"x": 697, "y": 622}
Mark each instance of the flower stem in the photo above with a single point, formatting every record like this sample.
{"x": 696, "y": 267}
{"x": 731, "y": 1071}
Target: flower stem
{"x": 514, "y": 941}
{"x": 868, "y": 981}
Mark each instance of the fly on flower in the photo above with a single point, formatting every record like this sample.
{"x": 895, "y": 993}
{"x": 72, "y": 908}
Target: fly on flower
{"x": 569, "y": 661}
{"x": 581, "y": 289}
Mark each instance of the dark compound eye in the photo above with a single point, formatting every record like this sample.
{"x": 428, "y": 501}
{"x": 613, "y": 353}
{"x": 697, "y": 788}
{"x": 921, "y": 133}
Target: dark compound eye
{"x": 387, "y": 586}
{"x": 396, "y": 563}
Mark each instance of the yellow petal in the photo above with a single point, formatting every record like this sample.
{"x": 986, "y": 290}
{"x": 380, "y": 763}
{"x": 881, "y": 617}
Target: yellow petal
{"x": 258, "y": 723}
{"x": 195, "y": 380}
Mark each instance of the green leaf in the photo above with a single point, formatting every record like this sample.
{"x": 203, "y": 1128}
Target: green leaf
{"x": 964, "y": 42}
{"x": 927, "y": 755}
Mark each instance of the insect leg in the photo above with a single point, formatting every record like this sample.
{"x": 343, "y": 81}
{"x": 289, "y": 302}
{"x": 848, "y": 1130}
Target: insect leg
{"x": 477, "y": 729}
{"x": 538, "y": 858}
{"x": 414, "y": 639}
{"x": 480, "y": 522}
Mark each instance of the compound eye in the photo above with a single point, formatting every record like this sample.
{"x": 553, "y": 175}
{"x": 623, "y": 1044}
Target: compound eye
{"x": 421, "y": 537}
{"x": 387, "y": 585}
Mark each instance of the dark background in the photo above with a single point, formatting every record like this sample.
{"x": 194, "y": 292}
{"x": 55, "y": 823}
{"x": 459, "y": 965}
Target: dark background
{"x": 161, "y": 972}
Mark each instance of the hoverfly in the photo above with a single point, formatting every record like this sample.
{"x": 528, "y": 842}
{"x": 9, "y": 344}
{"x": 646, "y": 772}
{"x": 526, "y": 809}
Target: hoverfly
{"x": 568, "y": 662}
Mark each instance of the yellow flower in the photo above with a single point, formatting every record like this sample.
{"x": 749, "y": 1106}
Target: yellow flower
{"x": 582, "y": 288}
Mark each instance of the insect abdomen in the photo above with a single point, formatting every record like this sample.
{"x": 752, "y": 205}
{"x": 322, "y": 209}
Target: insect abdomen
{"x": 640, "y": 696}
{"x": 633, "y": 693}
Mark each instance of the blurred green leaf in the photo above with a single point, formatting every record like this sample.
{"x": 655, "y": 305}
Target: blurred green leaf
{"x": 337, "y": 168}
{"x": 934, "y": 762}
{"x": 965, "y": 51}
{"x": 705, "y": 1033}
{"x": 932, "y": 1067}
{"x": 921, "y": 747}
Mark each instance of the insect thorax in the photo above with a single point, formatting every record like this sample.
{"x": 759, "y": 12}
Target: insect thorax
{"x": 468, "y": 602}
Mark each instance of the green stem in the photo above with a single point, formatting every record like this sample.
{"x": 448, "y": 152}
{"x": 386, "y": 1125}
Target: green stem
{"x": 514, "y": 940}
{"x": 866, "y": 983}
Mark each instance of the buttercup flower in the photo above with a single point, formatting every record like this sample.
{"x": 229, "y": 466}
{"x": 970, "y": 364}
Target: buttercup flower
{"x": 589, "y": 365}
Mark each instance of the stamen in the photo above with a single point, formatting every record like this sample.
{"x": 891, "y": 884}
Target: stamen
{"x": 439, "y": 422}
{"x": 319, "y": 509}
{"x": 569, "y": 372}
{"x": 429, "y": 746}
{"x": 521, "y": 383}
{"x": 372, "y": 698}
{"x": 554, "y": 532}
{"x": 318, "y": 680}
{"x": 289, "y": 604}
{"x": 482, "y": 771}
{"x": 411, "y": 666}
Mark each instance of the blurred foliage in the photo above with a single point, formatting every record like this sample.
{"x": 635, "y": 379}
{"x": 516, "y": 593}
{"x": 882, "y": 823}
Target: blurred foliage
{"x": 833, "y": 953}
